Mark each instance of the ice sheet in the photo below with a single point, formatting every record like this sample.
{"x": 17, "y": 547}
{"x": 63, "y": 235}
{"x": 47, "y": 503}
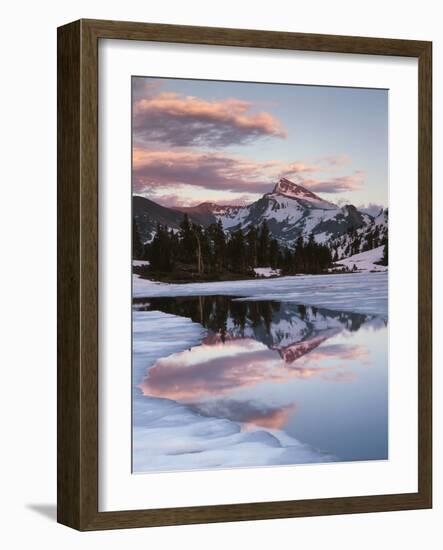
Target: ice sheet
{"x": 355, "y": 292}
{"x": 170, "y": 436}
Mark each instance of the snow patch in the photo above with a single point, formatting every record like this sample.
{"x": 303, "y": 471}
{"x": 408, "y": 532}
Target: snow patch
{"x": 365, "y": 261}
{"x": 140, "y": 263}
{"x": 266, "y": 272}
{"x": 352, "y": 292}
{"x": 170, "y": 436}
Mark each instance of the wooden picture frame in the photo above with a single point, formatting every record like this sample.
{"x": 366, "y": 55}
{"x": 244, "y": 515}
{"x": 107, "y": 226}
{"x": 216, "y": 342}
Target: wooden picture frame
{"x": 78, "y": 274}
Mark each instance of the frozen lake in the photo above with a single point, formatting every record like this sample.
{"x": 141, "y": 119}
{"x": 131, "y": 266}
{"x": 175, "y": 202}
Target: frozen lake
{"x": 264, "y": 372}
{"x": 357, "y": 292}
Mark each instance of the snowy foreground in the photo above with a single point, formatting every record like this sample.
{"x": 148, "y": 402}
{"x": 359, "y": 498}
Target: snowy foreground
{"x": 365, "y": 261}
{"x": 168, "y": 435}
{"x": 354, "y": 292}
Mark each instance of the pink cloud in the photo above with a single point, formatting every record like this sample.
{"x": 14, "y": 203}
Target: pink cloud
{"x": 323, "y": 164}
{"x": 181, "y": 199}
{"x": 142, "y": 88}
{"x": 338, "y": 184}
{"x": 336, "y": 160}
{"x": 153, "y": 170}
{"x": 298, "y": 167}
{"x": 191, "y": 121}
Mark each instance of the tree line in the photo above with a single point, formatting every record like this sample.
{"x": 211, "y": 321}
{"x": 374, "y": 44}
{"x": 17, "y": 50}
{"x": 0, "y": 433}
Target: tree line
{"x": 354, "y": 242}
{"x": 210, "y": 251}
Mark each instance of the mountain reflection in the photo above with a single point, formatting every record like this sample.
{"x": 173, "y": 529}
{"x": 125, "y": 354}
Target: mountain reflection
{"x": 253, "y": 348}
{"x": 275, "y": 324}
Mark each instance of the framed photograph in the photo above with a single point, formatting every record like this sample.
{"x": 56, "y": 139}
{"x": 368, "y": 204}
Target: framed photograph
{"x": 244, "y": 275}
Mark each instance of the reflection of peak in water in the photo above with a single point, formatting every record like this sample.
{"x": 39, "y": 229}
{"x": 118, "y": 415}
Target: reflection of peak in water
{"x": 291, "y": 329}
{"x": 294, "y": 351}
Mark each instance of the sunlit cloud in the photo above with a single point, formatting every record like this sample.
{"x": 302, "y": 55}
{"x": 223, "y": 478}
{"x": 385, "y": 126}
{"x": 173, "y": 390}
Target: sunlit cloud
{"x": 180, "y": 120}
{"x": 152, "y": 169}
{"x": 322, "y": 164}
{"x": 248, "y": 124}
{"x": 186, "y": 195}
{"x": 339, "y": 184}
{"x": 155, "y": 170}
{"x": 142, "y": 88}
{"x": 335, "y": 160}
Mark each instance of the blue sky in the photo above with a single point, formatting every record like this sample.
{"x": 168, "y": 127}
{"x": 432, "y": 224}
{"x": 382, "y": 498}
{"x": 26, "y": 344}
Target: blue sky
{"x": 230, "y": 141}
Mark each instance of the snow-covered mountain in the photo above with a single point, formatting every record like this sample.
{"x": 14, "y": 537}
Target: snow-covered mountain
{"x": 208, "y": 212}
{"x": 290, "y": 211}
{"x": 369, "y": 236}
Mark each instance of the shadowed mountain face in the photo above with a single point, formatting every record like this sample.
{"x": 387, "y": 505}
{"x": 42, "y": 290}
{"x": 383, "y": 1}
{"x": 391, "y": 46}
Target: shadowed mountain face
{"x": 204, "y": 213}
{"x": 147, "y": 214}
{"x": 290, "y": 210}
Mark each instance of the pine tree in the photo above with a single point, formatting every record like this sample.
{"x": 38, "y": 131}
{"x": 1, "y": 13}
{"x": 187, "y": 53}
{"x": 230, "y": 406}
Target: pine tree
{"x": 198, "y": 234}
{"x": 385, "y": 258}
{"x": 299, "y": 256}
{"x": 251, "y": 239}
{"x": 274, "y": 253}
{"x": 187, "y": 241}
{"x": 310, "y": 256}
{"x": 218, "y": 238}
{"x": 236, "y": 252}
{"x": 288, "y": 264}
{"x": 263, "y": 245}
{"x": 160, "y": 250}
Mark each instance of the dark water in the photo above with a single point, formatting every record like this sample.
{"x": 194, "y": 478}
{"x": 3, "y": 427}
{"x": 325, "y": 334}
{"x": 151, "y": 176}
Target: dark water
{"x": 315, "y": 374}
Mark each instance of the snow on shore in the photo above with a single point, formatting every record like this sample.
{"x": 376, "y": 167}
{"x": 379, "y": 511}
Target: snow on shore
{"x": 352, "y": 292}
{"x": 365, "y": 261}
{"x": 267, "y": 272}
{"x": 170, "y": 436}
{"x": 140, "y": 263}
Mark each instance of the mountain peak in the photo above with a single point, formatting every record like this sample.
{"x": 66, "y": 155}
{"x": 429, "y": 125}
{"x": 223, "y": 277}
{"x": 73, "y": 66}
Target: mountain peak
{"x": 290, "y": 189}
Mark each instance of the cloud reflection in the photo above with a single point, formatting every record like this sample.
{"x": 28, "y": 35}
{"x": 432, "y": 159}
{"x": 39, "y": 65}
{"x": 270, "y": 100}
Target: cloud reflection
{"x": 216, "y": 370}
{"x": 253, "y": 353}
{"x": 248, "y": 412}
